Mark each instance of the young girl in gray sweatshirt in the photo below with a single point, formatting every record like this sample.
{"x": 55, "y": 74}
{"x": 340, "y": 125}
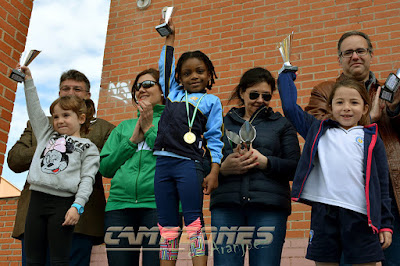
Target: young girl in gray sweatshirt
{"x": 61, "y": 174}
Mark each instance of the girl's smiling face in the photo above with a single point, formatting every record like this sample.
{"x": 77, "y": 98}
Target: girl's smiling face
{"x": 194, "y": 75}
{"x": 67, "y": 122}
{"x": 348, "y": 107}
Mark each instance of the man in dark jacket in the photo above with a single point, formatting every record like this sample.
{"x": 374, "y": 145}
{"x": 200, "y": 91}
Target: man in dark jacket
{"x": 355, "y": 54}
{"x": 90, "y": 228}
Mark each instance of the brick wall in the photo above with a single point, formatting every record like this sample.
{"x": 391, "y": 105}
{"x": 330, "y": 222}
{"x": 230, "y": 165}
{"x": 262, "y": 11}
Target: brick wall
{"x": 14, "y": 23}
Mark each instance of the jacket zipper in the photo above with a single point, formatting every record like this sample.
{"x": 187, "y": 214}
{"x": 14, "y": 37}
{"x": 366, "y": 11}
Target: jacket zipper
{"x": 368, "y": 178}
{"x": 137, "y": 178}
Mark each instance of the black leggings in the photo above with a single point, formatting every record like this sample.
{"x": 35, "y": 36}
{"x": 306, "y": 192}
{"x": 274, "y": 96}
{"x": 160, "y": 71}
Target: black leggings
{"x": 44, "y": 228}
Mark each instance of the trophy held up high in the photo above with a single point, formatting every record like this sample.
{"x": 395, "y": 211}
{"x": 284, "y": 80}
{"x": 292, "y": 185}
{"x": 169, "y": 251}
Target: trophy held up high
{"x": 164, "y": 29}
{"x": 285, "y": 48}
{"x": 16, "y": 74}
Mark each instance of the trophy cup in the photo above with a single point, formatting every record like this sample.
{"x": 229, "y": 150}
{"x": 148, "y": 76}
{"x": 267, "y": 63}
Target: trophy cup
{"x": 247, "y": 134}
{"x": 232, "y": 137}
{"x": 285, "y": 48}
{"x": 16, "y": 74}
{"x": 392, "y": 84}
{"x": 164, "y": 29}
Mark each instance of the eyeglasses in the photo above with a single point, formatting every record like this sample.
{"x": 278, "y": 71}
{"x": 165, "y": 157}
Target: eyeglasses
{"x": 359, "y": 52}
{"x": 76, "y": 89}
{"x": 254, "y": 96}
{"x": 145, "y": 84}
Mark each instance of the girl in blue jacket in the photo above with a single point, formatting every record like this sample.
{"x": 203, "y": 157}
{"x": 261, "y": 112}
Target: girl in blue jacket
{"x": 343, "y": 175}
{"x": 191, "y": 122}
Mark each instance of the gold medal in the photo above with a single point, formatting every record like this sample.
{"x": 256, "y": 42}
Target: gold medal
{"x": 189, "y": 137}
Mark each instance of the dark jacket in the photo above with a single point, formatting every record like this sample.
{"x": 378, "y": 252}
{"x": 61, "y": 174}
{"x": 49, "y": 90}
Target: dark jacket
{"x": 389, "y": 126}
{"x": 277, "y": 140}
{"x": 375, "y": 171}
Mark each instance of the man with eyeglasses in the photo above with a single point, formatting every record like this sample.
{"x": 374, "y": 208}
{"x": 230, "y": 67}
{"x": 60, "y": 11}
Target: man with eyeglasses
{"x": 355, "y": 54}
{"x": 90, "y": 229}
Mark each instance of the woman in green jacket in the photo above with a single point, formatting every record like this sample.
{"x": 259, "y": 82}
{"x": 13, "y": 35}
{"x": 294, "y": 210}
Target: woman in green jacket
{"x": 127, "y": 158}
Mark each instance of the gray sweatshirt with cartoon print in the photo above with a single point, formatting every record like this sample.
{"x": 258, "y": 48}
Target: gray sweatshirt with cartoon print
{"x": 62, "y": 165}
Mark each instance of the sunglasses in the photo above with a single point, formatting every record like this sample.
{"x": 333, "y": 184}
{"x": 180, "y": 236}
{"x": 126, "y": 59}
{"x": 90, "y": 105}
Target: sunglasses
{"x": 145, "y": 84}
{"x": 254, "y": 96}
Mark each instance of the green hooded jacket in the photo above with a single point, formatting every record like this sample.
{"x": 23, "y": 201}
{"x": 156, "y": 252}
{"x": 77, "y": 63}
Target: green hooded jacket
{"x": 131, "y": 166}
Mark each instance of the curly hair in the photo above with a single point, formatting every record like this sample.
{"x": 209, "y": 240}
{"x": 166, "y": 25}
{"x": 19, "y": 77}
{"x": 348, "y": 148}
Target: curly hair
{"x": 201, "y": 56}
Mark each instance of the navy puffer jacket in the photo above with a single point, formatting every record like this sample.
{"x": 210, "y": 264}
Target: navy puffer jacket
{"x": 277, "y": 140}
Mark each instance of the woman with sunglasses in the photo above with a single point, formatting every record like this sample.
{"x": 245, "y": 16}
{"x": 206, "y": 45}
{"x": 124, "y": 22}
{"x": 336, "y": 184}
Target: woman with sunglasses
{"x": 127, "y": 158}
{"x": 252, "y": 201}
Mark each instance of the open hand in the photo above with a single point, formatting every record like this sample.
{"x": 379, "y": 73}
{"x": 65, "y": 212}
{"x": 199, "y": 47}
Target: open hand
{"x": 377, "y": 106}
{"x": 146, "y": 115}
{"x": 137, "y": 134}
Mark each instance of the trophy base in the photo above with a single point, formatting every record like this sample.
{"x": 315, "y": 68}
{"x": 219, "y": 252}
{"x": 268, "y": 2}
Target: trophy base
{"x": 163, "y": 29}
{"x": 17, "y": 75}
{"x": 286, "y": 68}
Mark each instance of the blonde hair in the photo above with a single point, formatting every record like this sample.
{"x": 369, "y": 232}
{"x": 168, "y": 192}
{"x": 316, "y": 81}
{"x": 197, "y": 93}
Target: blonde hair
{"x": 79, "y": 106}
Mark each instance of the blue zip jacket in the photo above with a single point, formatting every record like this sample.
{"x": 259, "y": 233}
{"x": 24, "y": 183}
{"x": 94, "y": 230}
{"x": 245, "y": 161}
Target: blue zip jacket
{"x": 173, "y": 124}
{"x": 376, "y": 170}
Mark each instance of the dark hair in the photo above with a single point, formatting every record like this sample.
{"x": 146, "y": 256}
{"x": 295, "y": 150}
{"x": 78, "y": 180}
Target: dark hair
{"x": 360, "y": 88}
{"x": 79, "y": 106}
{"x": 357, "y": 33}
{"x": 250, "y": 78}
{"x": 201, "y": 56}
{"x": 77, "y": 76}
{"x": 151, "y": 71}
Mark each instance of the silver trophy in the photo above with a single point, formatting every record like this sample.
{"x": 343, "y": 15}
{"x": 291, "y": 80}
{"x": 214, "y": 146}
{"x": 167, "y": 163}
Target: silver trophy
{"x": 285, "y": 48}
{"x": 232, "y": 137}
{"x": 16, "y": 74}
{"x": 247, "y": 134}
{"x": 164, "y": 29}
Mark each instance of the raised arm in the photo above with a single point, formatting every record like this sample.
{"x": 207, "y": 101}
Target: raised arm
{"x": 39, "y": 121}
{"x": 166, "y": 64}
{"x": 288, "y": 93}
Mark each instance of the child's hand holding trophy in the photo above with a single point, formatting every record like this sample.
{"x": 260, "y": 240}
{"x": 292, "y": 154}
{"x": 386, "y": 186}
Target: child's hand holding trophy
{"x": 164, "y": 29}
{"x": 16, "y": 74}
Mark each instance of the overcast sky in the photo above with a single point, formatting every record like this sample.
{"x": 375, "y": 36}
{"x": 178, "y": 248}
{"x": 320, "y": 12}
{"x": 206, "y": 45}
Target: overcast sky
{"x": 70, "y": 34}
